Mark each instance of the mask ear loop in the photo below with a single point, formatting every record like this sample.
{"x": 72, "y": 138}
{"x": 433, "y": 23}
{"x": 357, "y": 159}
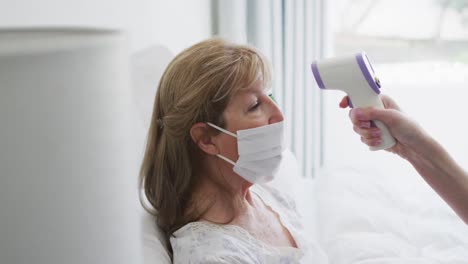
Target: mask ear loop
{"x": 222, "y": 129}
{"x": 227, "y": 132}
{"x": 226, "y": 159}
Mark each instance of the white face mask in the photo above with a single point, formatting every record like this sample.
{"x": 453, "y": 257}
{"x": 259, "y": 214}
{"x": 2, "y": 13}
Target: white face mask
{"x": 260, "y": 151}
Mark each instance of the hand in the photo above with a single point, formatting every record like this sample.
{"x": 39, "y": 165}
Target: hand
{"x": 408, "y": 134}
{"x": 426, "y": 155}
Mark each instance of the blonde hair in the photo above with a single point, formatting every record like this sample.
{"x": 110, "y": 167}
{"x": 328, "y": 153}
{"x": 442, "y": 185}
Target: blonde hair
{"x": 195, "y": 87}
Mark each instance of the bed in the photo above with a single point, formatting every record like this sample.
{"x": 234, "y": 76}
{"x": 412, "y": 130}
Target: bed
{"x": 358, "y": 215}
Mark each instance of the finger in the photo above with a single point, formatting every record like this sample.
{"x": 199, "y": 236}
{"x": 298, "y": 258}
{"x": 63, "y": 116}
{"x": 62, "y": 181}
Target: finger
{"x": 368, "y": 133}
{"x": 359, "y": 117}
{"x": 365, "y": 124}
{"x": 354, "y": 119}
{"x": 389, "y": 103}
{"x": 344, "y": 102}
{"x": 371, "y": 142}
{"x": 366, "y": 114}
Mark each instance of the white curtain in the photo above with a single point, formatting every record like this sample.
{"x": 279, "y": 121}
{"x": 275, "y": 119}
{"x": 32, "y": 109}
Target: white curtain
{"x": 292, "y": 35}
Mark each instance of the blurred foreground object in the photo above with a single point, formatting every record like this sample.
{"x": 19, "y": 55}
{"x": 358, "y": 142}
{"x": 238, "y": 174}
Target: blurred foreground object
{"x": 68, "y": 171}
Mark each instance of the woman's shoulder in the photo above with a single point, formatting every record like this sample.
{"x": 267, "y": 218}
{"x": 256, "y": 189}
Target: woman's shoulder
{"x": 204, "y": 242}
{"x": 201, "y": 231}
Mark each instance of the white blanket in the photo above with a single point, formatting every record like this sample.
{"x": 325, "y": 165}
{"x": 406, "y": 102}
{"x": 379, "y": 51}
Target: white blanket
{"x": 374, "y": 217}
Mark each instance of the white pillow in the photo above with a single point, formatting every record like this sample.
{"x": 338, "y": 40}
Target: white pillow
{"x": 147, "y": 67}
{"x": 154, "y": 244}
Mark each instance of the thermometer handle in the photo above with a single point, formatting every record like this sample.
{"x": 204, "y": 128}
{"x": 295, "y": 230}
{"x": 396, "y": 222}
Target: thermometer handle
{"x": 374, "y": 100}
{"x": 388, "y": 140}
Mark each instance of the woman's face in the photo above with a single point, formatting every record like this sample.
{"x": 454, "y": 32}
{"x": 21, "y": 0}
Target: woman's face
{"x": 251, "y": 107}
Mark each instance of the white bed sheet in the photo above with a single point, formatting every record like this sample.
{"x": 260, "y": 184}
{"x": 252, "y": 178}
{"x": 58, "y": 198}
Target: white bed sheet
{"x": 377, "y": 217}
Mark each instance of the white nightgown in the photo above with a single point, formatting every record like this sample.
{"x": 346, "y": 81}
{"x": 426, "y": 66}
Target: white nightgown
{"x": 204, "y": 242}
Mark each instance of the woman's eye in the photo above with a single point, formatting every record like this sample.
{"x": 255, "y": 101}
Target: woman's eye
{"x": 254, "y": 107}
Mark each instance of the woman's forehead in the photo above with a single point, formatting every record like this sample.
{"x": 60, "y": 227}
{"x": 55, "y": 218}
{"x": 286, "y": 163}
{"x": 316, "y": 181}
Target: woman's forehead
{"x": 256, "y": 87}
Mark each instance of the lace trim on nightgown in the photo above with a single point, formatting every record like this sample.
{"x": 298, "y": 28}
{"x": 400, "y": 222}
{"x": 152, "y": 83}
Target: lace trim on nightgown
{"x": 204, "y": 242}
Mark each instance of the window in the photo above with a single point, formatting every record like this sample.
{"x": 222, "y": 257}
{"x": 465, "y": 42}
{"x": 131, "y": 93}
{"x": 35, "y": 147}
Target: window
{"x": 421, "y": 59}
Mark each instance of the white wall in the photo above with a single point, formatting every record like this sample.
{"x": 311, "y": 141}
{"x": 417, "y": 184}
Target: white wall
{"x": 176, "y": 23}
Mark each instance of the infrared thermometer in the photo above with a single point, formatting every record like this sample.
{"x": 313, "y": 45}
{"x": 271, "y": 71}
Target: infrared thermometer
{"x": 355, "y": 76}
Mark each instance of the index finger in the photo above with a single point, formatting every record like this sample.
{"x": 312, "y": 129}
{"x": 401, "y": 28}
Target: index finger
{"x": 344, "y": 102}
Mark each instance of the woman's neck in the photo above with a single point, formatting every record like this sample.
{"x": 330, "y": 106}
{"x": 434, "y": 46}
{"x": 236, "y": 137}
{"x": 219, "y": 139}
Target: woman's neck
{"x": 222, "y": 202}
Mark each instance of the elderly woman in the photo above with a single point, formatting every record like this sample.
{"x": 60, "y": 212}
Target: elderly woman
{"x": 215, "y": 139}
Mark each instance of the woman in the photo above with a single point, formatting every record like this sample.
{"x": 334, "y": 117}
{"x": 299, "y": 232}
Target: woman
{"x": 215, "y": 134}
{"x": 426, "y": 155}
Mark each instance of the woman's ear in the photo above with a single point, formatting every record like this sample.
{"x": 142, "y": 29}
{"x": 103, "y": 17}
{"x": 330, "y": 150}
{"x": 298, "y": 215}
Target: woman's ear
{"x": 201, "y": 137}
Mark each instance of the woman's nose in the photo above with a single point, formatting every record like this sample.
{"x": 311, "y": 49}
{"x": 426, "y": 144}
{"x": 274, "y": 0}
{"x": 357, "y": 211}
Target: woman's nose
{"x": 276, "y": 115}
